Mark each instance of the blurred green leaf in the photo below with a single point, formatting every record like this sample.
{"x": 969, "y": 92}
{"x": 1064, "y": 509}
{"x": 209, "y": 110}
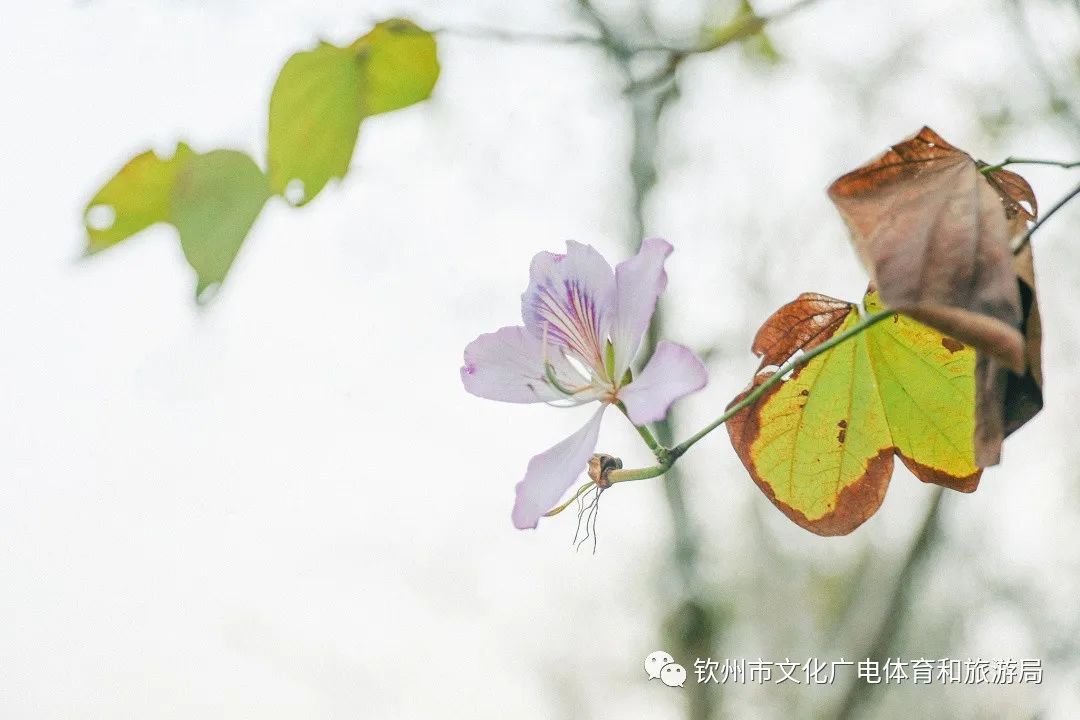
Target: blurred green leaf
{"x": 402, "y": 66}
{"x": 315, "y": 114}
{"x": 211, "y": 199}
{"x": 137, "y": 197}
{"x": 747, "y": 28}
{"x": 759, "y": 49}
{"x": 322, "y": 95}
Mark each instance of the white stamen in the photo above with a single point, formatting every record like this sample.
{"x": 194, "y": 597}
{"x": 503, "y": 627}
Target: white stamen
{"x": 552, "y": 376}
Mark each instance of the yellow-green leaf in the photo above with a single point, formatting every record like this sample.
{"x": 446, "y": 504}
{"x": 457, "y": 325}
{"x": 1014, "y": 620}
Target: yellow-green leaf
{"x": 820, "y": 444}
{"x": 211, "y": 199}
{"x": 400, "y": 63}
{"x": 759, "y": 48}
{"x": 137, "y": 197}
{"x": 322, "y": 95}
{"x": 744, "y": 25}
{"x": 927, "y": 385}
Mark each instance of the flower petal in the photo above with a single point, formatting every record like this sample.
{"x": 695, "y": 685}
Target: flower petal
{"x": 571, "y": 301}
{"x": 553, "y": 471}
{"x": 508, "y": 365}
{"x": 672, "y": 372}
{"x": 639, "y": 282}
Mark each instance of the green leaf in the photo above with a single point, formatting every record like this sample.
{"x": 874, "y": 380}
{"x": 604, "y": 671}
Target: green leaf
{"x": 759, "y": 48}
{"x": 322, "y": 95}
{"x": 401, "y": 66}
{"x": 745, "y": 24}
{"x": 315, "y": 118}
{"x": 211, "y": 199}
{"x": 137, "y": 197}
{"x": 820, "y": 444}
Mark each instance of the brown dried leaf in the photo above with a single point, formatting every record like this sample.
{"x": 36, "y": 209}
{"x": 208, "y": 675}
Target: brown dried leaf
{"x": 1029, "y": 300}
{"x": 1007, "y": 400}
{"x": 1015, "y": 193}
{"x": 932, "y": 232}
{"x": 804, "y": 323}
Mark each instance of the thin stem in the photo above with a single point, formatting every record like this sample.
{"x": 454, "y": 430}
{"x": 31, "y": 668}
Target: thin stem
{"x": 647, "y": 436}
{"x": 617, "y": 476}
{"x": 741, "y": 28}
{"x": 776, "y": 377}
{"x": 1026, "y": 237}
{"x": 1028, "y": 161}
{"x": 676, "y": 452}
{"x": 582, "y": 489}
{"x": 748, "y": 25}
{"x": 481, "y": 32}
{"x": 738, "y": 29}
{"x": 644, "y": 432}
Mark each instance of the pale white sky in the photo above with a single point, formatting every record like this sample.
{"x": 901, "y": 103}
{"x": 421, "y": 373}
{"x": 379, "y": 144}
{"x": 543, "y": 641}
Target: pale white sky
{"x": 284, "y": 505}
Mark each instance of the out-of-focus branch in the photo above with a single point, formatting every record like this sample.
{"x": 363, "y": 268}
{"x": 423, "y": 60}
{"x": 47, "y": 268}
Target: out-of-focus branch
{"x": 1026, "y": 237}
{"x": 1063, "y": 164}
{"x": 692, "y": 624}
{"x": 740, "y": 28}
{"x": 691, "y": 627}
{"x": 896, "y": 612}
{"x": 483, "y": 32}
{"x": 1059, "y": 102}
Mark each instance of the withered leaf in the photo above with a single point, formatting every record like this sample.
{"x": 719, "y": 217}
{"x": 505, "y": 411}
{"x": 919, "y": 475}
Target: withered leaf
{"x": 1007, "y": 400}
{"x": 1016, "y": 195}
{"x": 820, "y": 443}
{"x": 805, "y": 323}
{"x": 934, "y": 235}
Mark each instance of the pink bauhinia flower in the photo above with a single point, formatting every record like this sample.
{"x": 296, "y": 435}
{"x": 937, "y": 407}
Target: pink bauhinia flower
{"x": 583, "y": 326}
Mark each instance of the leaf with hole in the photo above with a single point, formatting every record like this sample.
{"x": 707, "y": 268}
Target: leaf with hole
{"x": 322, "y": 95}
{"x": 212, "y": 200}
{"x": 820, "y": 444}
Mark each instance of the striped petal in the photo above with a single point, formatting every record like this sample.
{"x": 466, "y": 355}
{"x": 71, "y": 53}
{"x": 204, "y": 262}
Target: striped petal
{"x": 570, "y": 302}
{"x": 508, "y": 365}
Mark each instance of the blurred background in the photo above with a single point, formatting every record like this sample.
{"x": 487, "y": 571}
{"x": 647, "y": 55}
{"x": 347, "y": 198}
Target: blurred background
{"x": 284, "y": 505}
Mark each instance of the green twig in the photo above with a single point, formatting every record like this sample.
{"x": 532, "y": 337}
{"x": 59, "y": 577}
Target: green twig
{"x": 668, "y": 456}
{"x": 582, "y": 489}
{"x": 646, "y": 434}
{"x": 673, "y": 454}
